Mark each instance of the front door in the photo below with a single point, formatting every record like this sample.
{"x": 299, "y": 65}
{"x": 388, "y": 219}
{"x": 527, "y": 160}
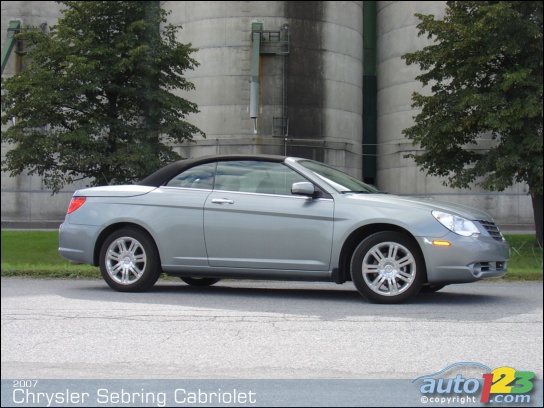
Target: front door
{"x": 251, "y": 220}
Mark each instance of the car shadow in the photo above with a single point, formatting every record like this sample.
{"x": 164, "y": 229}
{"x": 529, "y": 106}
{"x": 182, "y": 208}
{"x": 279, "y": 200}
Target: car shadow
{"x": 327, "y": 302}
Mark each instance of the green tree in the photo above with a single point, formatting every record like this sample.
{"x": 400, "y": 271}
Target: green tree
{"x": 484, "y": 68}
{"x": 96, "y": 99}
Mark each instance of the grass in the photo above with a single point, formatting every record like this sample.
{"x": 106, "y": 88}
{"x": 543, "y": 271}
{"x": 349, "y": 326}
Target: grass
{"x": 525, "y": 261}
{"x": 34, "y": 254}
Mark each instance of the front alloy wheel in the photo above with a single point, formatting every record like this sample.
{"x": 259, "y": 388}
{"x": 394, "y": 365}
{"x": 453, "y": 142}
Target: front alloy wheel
{"x": 387, "y": 267}
{"x": 129, "y": 261}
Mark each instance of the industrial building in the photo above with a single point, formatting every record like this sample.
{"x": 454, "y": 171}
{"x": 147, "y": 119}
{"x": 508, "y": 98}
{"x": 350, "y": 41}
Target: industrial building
{"x": 317, "y": 79}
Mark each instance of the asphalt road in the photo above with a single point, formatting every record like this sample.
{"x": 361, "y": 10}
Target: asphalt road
{"x": 248, "y": 329}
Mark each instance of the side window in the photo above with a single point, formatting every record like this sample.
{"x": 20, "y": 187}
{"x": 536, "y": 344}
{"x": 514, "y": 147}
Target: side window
{"x": 256, "y": 177}
{"x": 195, "y": 177}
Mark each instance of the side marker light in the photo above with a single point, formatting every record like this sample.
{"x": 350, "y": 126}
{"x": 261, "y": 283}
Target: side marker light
{"x": 441, "y": 243}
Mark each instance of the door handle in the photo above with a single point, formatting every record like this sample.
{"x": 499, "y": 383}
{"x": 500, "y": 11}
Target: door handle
{"x": 222, "y": 201}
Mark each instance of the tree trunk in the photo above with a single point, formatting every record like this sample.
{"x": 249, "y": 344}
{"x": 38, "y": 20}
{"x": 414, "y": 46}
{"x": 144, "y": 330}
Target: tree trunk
{"x": 537, "y": 211}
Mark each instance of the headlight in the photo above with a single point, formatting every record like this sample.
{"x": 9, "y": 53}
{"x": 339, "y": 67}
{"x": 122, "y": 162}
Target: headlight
{"x": 456, "y": 224}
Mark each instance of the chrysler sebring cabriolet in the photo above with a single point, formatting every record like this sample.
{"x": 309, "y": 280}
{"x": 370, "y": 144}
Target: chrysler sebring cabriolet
{"x": 277, "y": 218}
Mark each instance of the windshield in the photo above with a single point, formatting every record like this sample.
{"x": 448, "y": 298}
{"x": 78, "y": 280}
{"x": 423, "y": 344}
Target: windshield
{"x": 341, "y": 182}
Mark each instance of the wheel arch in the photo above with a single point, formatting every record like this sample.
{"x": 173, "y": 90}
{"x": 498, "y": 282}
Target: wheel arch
{"x": 112, "y": 228}
{"x": 361, "y": 233}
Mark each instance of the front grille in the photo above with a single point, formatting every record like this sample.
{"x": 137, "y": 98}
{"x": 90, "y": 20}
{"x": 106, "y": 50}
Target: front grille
{"x": 492, "y": 229}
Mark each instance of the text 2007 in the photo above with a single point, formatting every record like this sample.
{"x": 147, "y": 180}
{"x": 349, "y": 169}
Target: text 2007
{"x": 24, "y": 383}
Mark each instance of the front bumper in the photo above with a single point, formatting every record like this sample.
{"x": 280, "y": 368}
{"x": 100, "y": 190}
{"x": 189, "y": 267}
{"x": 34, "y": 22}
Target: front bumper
{"x": 468, "y": 259}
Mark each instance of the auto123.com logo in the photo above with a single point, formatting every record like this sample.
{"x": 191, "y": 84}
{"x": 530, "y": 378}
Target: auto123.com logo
{"x": 501, "y": 385}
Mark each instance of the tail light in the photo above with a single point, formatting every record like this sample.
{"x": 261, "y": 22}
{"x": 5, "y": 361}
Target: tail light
{"x": 75, "y": 203}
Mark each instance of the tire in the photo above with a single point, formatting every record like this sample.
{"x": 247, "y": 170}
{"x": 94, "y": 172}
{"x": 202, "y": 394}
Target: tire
{"x": 387, "y": 267}
{"x": 129, "y": 260}
{"x": 200, "y": 281}
{"x": 431, "y": 288}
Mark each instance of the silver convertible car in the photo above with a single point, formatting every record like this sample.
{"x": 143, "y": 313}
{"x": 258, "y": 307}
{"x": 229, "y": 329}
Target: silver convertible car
{"x": 277, "y": 218}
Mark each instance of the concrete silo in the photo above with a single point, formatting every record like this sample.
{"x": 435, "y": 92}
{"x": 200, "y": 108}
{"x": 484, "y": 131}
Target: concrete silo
{"x": 306, "y": 78}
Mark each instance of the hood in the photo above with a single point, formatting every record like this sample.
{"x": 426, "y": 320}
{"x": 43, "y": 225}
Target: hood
{"x": 424, "y": 203}
{"x": 114, "y": 191}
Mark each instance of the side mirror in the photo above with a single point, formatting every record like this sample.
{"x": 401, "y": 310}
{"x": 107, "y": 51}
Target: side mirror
{"x": 303, "y": 188}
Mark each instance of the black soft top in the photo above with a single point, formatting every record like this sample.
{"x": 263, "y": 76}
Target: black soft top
{"x": 164, "y": 175}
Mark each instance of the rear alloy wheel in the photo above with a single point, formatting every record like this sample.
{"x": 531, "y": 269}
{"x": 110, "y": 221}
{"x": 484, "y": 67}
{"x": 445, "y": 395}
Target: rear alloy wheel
{"x": 387, "y": 267}
{"x": 200, "y": 281}
{"x": 129, "y": 261}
